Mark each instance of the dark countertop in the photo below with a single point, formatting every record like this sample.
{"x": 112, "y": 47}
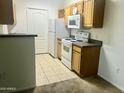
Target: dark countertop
{"x": 81, "y": 44}
{"x": 92, "y": 43}
{"x": 18, "y": 35}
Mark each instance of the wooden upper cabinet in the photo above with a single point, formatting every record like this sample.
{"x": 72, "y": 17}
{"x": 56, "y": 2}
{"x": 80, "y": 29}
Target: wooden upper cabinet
{"x": 6, "y": 9}
{"x": 94, "y": 13}
{"x": 61, "y": 13}
{"x": 80, "y": 7}
{"x": 88, "y": 14}
{"x": 68, "y": 12}
{"x": 98, "y": 13}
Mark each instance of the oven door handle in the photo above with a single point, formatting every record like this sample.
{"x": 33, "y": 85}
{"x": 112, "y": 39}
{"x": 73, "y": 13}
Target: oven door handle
{"x": 66, "y": 44}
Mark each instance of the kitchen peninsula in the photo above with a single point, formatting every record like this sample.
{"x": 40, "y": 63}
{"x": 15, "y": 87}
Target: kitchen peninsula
{"x": 17, "y": 61}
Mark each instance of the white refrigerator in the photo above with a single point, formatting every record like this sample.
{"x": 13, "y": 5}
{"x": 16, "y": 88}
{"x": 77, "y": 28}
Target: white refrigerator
{"x": 57, "y": 29}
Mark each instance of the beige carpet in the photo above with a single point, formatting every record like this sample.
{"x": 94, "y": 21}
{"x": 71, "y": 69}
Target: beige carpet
{"x": 87, "y": 85}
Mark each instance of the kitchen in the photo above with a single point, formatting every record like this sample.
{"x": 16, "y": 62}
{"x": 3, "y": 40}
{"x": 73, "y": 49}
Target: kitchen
{"x": 61, "y": 29}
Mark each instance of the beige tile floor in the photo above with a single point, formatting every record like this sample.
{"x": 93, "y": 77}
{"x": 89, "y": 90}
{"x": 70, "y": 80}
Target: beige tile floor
{"x": 50, "y": 70}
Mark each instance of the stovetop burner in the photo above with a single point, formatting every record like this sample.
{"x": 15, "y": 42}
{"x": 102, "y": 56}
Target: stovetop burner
{"x": 74, "y": 40}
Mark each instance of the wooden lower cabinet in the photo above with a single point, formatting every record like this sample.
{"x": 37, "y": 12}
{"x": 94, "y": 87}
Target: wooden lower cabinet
{"x": 85, "y": 63}
{"x": 59, "y": 48}
{"x": 76, "y": 61}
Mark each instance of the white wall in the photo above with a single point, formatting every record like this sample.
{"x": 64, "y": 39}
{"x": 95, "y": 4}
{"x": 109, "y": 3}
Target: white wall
{"x": 0, "y": 28}
{"x": 111, "y": 65}
{"x": 21, "y": 6}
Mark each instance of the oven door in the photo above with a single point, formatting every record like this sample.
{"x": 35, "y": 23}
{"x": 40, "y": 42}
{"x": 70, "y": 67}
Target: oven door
{"x": 66, "y": 51}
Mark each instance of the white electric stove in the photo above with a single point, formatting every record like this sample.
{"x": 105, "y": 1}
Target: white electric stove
{"x": 67, "y": 47}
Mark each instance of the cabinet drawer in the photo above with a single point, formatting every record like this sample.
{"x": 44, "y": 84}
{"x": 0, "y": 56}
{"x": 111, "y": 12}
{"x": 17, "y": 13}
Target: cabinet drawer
{"x": 75, "y": 48}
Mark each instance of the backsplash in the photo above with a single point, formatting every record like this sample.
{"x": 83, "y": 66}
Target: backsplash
{"x": 74, "y": 31}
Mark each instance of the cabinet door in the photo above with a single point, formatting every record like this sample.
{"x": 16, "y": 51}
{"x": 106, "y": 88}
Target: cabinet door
{"x": 59, "y": 46}
{"x": 88, "y": 13}
{"x": 76, "y": 58}
{"x": 6, "y": 9}
{"x": 98, "y": 15}
{"x": 67, "y": 13}
{"x": 80, "y": 7}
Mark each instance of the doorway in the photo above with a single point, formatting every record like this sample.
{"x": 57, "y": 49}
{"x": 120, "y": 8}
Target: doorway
{"x": 37, "y": 21}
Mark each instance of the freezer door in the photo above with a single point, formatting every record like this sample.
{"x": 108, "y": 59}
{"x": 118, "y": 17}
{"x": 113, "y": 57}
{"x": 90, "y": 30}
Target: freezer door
{"x": 61, "y": 30}
{"x": 52, "y": 26}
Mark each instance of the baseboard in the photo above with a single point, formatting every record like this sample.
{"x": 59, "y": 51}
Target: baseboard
{"x": 119, "y": 87}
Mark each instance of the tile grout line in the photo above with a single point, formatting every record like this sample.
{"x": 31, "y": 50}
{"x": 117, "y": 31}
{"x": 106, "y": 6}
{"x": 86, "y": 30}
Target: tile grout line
{"x": 48, "y": 60}
{"x": 55, "y": 72}
{"x": 40, "y": 76}
{"x": 43, "y": 72}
